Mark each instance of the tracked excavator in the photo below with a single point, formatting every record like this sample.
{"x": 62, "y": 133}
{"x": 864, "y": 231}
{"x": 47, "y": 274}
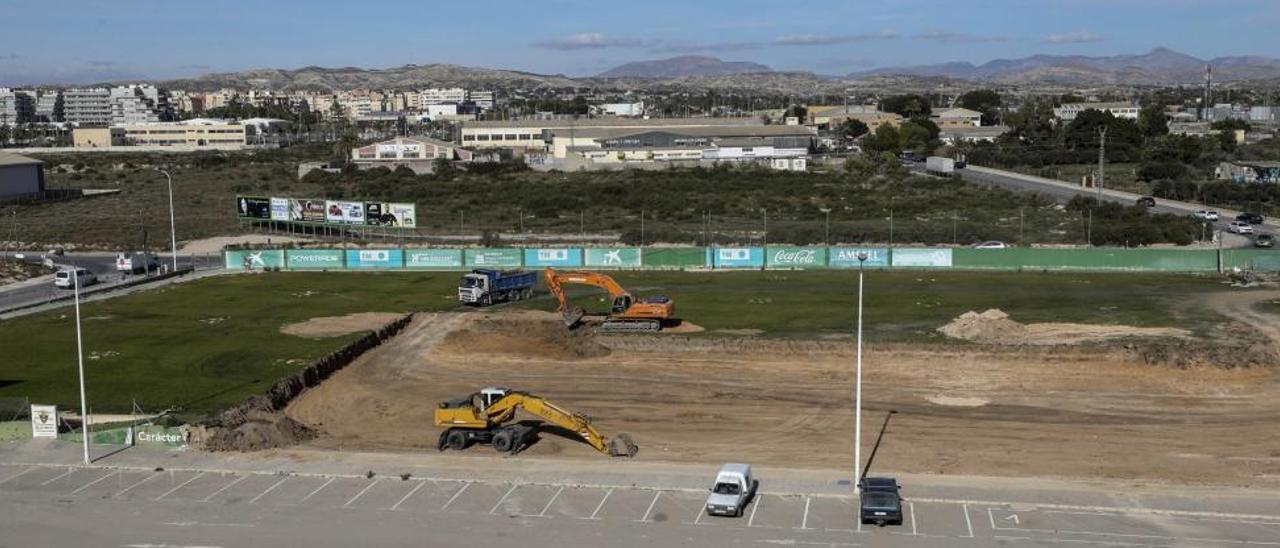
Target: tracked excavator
{"x": 627, "y": 313}
{"x": 488, "y": 417}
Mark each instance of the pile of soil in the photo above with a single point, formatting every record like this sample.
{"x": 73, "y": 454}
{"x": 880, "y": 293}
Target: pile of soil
{"x": 257, "y": 432}
{"x": 995, "y": 327}
{"x": 532, "y": 334}
{"x": 334, "y": 326}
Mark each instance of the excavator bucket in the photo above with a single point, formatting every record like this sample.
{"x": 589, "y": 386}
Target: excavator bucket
{"x": 572, "y": 316}
{"x": 622, "y": 446}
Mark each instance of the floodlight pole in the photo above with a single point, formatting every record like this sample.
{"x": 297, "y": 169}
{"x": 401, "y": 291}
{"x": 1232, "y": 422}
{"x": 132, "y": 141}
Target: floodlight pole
{"x": 84, "y": 405}
{"x": 857, "y": 403}
{"x": 173, "y": 230}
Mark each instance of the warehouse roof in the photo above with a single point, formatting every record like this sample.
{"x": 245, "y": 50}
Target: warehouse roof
{"x": 10, "y": 159}
{"x": 612, "y": 122}
{"x": 713, "y": 131}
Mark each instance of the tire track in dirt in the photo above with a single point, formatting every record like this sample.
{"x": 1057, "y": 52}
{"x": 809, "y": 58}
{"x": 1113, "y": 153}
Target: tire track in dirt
{"x": 1242, "y": 306}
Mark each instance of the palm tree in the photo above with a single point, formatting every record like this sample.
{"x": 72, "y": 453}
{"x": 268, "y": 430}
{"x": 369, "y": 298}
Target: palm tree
{"x": 342, "y": 148}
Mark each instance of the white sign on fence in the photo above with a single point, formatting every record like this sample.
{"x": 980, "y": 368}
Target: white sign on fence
{"x": 44, "y": 421}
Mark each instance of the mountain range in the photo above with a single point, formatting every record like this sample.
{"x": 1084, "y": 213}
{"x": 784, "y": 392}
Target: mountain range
{"x": 684, "y": 65}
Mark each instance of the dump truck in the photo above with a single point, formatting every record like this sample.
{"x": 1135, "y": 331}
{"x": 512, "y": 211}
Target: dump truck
{"x": 488, "y": 417}
{"x": 483, "y": 287}
{"x": 627, "y": 313}
{"x": 136, "y": 263}
{"x": 939, "y": 165}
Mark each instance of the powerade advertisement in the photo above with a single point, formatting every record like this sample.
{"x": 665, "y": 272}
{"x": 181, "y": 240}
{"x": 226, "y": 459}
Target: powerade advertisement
{"x": 375, "y": 258}
{"x": 303, "y": 259}
{"x": 558, "y": 257}
{"x": 621, "y": 257}
{"x": 254, "y": 208}
{"x": 847, "y": 257}
{"x": 493, "y": 258}
{"x": 433, "y": 258}
{"x": 921, "y": 257}
{"x": 735, "y": 257}
{"x": 346, "y": 213}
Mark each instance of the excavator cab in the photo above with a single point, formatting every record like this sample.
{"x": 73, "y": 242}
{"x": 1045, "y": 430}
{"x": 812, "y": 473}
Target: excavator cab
{"x": 620, "y": 304}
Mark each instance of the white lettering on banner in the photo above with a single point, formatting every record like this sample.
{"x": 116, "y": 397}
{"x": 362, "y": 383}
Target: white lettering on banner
{"x": 851, "y": 255}
{"x": 44, "y": 421}
{"x": 735, "y": 254}
{"x": 553, "y": 254}
{"x": 799, "y": 256}
{"x": 375, "y": 256}
{"x": 432, "y": 258}
{"x": 159, "y": 437}
{"x": 315, "y": 258}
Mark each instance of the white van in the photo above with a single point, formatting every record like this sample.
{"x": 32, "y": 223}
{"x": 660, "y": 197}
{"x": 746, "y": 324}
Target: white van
{"x": 734, "y": 488}
{"x": 64, "y": 280}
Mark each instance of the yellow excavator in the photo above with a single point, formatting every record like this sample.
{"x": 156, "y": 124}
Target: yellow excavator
{"x": 626, "y": 312}
{"x": 488, "y": 417}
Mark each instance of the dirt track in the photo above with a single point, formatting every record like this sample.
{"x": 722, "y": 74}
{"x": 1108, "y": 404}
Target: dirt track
{"x": 962, "y": 409}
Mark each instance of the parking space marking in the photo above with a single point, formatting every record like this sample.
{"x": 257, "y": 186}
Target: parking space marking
{"x": 656, "y": 494}
{"x": 1059, "y": 531}
{"x": 455, "y": 496}
{"x": 804, "y": 522}
{"x": 224, "y": 488}
{"x": 543, "y": 513}
{"x": 601, "y": 505}
{"x": 361, "y": 493}
{"x": 968, "y": 523}
{"x": 16, "y": 476}
{"x": 58, "y": 477}
{"x": 912, "y": 506}
{"x": 92, "y": 483}
{"x": 135, "y": 484}
{"x": 181, "y": 485}
{"x": 504, "y": 497}
{"x": 409, "y": 494}
{"x": 268, "y": 490}
{"x": 755, "y": 505}
{"x": 316, "y": 490}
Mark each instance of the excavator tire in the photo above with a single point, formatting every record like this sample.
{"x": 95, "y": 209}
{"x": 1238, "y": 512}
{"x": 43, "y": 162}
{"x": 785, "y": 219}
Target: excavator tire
{"x": 503, "y": 441}
{"x": 443, "y": 442}
{"x": 457, "y": 440}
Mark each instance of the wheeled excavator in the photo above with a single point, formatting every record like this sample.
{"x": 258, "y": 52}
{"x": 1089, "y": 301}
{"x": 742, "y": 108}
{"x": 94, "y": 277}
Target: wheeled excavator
{"x": 626, "y": 311}
{"x": 488, "y": 417}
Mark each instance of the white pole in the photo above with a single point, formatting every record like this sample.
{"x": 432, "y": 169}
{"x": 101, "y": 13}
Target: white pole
{"x": 857, "y": 405}
{"x": 84, "y": 405}
{"x": 173, "y": 231}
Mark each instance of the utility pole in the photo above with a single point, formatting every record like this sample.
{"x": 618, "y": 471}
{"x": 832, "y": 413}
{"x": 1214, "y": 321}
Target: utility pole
{"x": 641, "y": 228}
{"x": 1102, "y": 158}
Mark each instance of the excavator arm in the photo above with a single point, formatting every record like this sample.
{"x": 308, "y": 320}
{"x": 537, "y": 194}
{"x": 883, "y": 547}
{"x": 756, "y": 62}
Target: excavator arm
{"x": 569, "y": 314}
{"x": 503, "y": 410}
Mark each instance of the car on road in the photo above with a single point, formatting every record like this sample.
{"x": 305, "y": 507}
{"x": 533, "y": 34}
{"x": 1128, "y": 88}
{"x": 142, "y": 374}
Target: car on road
{"x": 1146, "y": 201}
{"x": 1251, "y": 218}
{"x": 65, "y": 279}
{"x": 1239, "y": 227}
{"x": 1207, "y": 215}
{"x": 1264, "y": 240}
{"x": 733, "y": 490}
{"x": 880, "y": 502}
{"x": 993, "y": 244}
{"x": 911, "y": 157}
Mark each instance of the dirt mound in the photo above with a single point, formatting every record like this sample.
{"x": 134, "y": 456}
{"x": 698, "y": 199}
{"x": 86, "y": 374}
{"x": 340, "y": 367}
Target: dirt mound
{"x": 683, "y": 327}
{"x": 333, "y": 326}
{"x": 533, "y": 334}
{"x": 995, "y": 327}
{"x": 268, "y": 431}
{"x": 1188, "y": 354}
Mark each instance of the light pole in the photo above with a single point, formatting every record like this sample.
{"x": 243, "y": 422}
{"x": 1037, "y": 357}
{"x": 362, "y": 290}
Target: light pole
{"x": 857, "y": 392}
{"x": 173, "y": 231}
{"x": 641, "y": 228}
{"x": 84, "y": 402}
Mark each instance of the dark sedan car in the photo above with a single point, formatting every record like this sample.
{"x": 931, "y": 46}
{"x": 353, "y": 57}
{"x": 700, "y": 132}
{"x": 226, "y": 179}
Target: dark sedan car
{"x": 880, "y": 503}
{"x": 1251, "y": 218}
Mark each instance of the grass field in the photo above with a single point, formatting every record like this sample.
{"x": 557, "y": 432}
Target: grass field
{"x": 202, "y": 346}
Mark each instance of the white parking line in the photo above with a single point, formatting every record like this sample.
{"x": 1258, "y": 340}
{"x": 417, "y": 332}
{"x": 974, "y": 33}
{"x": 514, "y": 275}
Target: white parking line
{"x": 58, "y": 477}
{"x": 755, "y": 505}
{"x": 316, "y": 490}
{"x": 456, "y": 495}
{"x": 1128, "y": 535}
{"x": 804, "y": 522}
{"x": 90, "y": 484}
{"x": 181, "y": 485}
{"x": 697, "y": 518}
{"x": 135, "y": 484}
{"x": 362, "y": 492}
{"x": 224, "y": 488}
{"x": 656, "y": 494}
{"x": 409, "y": 494}
{"x": 967, "y": 521}
{"x": 543, "y": 513}
{"x": 912, "y": 505}
{"x": 16, "y": 476}
{"x": 269, "y": 489}
{"x": 504, "y": 497}
{"x": 601, "y": 505}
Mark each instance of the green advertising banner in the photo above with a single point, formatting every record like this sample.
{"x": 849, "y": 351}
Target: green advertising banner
{"x": 305, "y": 259}
{"x": 111, "y": 436}
{"x": 433, "y": 258}
{"x": 170, "y": 436}
{"x": 1254, "y": 259}
{"x": 795, "y": 257}
{"x": 255, "y": 259}
{"x": 675, "y": 257}
{"x": 1095, "y": 260}
{"x": 619, "y": 257}
{"x": 494, "y": 258}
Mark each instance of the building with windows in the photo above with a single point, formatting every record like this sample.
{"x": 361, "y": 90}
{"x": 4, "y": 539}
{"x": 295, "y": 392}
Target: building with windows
{"x": 16, "y": 107}
{"x": 871, "y": 115}
{"x": 1068, "y": 111}
{"x": 87, "y": 106}
{"x": 535, "y": 135}
{"x": 416, "y": 153}
{"x": 194, "y": 133}
{"x": 437, "y": 96}
{"x": 49, "y": 106}
{"x": 1248, "y": 172}
{"x": 956, "y": 118}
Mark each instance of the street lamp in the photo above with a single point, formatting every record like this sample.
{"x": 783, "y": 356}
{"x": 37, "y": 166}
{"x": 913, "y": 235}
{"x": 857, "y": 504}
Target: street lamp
{"x": 84, "y": 405}
{"x": 857, "y": 397}
{"x": 173, "y": 231}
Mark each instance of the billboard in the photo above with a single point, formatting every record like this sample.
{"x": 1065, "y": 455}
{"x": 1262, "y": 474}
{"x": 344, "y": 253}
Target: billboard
{"x": 847, "y": 257}
{"x": 279, "y": 209}
{"x": 254, "y": 259}
{"x": 735, "y": 257}
{"x": 309, "y": 211}
{"x": 493, "y": 258}
{"x": 433, "y": 258}
{"x": 44, "y": 421}
{"x": 796, "y": 257}
{"x": 922, "y": 257}
{"x": 253, "y": 208}
{"x": 303, "y": 259}
{"x": 375, "y": 258}
{"x": 397, "y": 148}
{"x": 347, "y": 213}
{"x": 390, "y": 214}
{"x": 562, "y": 256}
{"x": 619, "y": 257}
{"x": 171, "y": 436}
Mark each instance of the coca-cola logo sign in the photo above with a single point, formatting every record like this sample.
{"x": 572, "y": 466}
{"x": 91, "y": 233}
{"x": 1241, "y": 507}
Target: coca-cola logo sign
{"x": 795, "y": 257}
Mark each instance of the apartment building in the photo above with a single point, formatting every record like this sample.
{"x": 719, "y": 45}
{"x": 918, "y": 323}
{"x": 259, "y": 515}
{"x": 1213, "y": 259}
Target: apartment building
{"x": 436, "y": 96}
{"x": 49, "y": 106}
{"x": 16, "y": 107}
{"x": 1068, "y": 111}
{"x": 198, "y": 132}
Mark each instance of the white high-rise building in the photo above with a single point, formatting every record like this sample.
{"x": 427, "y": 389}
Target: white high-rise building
{"x": 87, "y": 106}
{"x": 49, "y": 106}
{"x": 436, "y": 96}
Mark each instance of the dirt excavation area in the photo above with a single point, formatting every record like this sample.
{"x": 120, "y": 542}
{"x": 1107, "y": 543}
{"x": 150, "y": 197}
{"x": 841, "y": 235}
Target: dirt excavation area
{"x": 334, "y": 326}
{"x": 1116, "y": 410}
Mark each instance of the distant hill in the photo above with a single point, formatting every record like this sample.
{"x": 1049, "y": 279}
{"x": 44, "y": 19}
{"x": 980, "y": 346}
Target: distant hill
{"x": 684, "y": 65}
{"x": 408, "y": 76}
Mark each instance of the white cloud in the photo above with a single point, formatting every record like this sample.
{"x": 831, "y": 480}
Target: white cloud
{"x": 832, "y": 39}
{"x": 1073, "y": 37}
{"x": 590, "y": 40}
{"x": 953, "y": 37}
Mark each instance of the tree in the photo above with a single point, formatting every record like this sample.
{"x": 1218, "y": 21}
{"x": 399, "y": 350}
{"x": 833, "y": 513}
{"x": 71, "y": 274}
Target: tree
{"x": 917, "y": 135}
{"x": 344, "y": 145}
{"x": 1152, "y": 121}
{"x": 798, "y": 111}
{"x": 1032, "y": 122}
{"x": 908, "y": 106}
{"x": 986, "y": 101}
{"x": 851, "y": 129}
{"x": 884, "y": 139}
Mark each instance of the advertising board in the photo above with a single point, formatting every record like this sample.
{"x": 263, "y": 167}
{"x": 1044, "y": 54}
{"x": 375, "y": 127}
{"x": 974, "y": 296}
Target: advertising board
{"x": 44, "y": 421}
{"x": 390, "y": 214}
{"x": 279, "y": 209}
{"x": 169, "y": 436}
{"x": 258, "y": 259}
{"x": 560, "y": 257}
{"x": 618, "y": 257}
{"x": 796, "y": 257}
{"x": 375, "y": 258}
{"x": 433, "y": 258}
{"x": 493, "y": 258}
{"x": 349, "y": 213}
{"x": 305, "y": 259}
{"x": 922, "y": 257}
{"x": 735, "y": 257}
{"x": 397, "y": 148}
{"x": 310, "y": 211}
{"x": 847, "y": 257}
{"x": 253, "y": 208}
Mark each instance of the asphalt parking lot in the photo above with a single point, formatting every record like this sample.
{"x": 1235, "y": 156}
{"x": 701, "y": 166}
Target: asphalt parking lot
{"x": 786, "y": 518}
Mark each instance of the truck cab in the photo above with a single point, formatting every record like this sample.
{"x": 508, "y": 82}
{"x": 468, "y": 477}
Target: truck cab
{"x": 472, "y": 287}
{"x": 733, "y": 490}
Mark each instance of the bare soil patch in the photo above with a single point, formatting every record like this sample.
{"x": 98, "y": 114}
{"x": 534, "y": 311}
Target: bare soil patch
{"x": 995, "y": 327}
{"x": 334, "y": 326}
{"x": 217, "y": 243}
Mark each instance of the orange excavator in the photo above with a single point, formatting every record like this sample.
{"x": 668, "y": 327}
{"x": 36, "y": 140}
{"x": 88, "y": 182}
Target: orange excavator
{"x": 627, "y": 313}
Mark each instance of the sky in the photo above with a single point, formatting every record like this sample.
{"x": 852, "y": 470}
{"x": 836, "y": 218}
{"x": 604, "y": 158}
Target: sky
{"x": 84, "y": 41}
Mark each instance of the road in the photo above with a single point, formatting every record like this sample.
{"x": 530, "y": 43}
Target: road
{"x": 103, "y": 265}
{"x": 147, "y": 498}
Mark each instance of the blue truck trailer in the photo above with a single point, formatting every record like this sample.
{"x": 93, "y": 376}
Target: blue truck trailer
{"x": 483, "y": 287}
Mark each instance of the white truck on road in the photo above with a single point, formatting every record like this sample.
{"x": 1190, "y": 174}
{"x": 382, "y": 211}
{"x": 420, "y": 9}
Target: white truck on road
{"x": 733, "y": 490}
{"x": 938, "y": 165}
{"x": 136, "y": 263}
